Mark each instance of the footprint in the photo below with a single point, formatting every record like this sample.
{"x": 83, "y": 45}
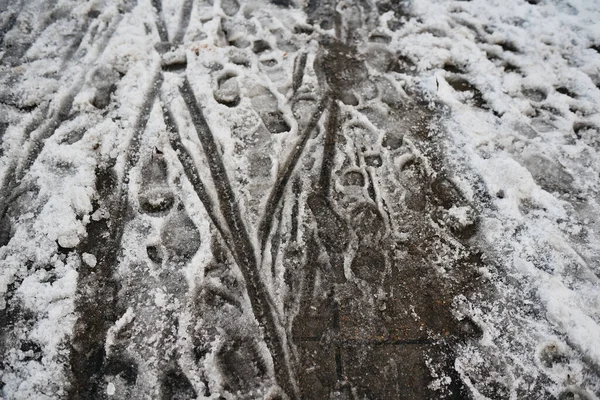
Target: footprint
{"x": 460, "y": 84}
{"x": 468, "y": 328}
{"x": 241, "y": 365}
{"x": 228, "y": 90}
{"x": 582, "y": 127}
{"x": 446, "y": 194}
{"x": 453, "y": 68}
{"x": 566, "y": 91}
{"x": 368, "y": 264}
{"x": 378, "y": 37}
{"x": 341, "y": 66}
{"x": 235, "y": 34}
{"x": 74, "y": 136}
{"x": 510, "y": 67}
{"x": 462, "y": 221}
{"x": 373, "y": 160}
{"x": 353, "y": 178}
{"x": 155, "y": 196}
{"x": 380, "y": 58}
{"x": 154, "y": 254}
{"x": 392, "y": 140}
{"x": 230, "y": 7}
{"x": 180, "y": 236}
{"x": 269, "y": 63}
{"x": 303, "y": 29}
{"x": 125, "y": 369}
{"x": 265, "y": 103}
{"x": 368, "y": 89}
{"x": 349, "y": 98}
{"x": 367, "y": 222}
{"x": 552, "y": 354}
{"x": 508, "y": 46}
{"x": 274, "y": 121}
{"x": 31, "y": 351}
{"x": 176, "y": 386}
{"x": 104, "y": 79}
{"x": 260, "y": 46}
{"x": 549, "y": 173}
{"x": 535, "y": 94}
{"x": 239, "y": 58}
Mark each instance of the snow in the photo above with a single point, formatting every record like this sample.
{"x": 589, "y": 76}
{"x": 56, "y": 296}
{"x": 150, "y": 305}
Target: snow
{"x": 533, "y": 147}
{"x": 110, "y": 389}
{"x": 540, "y": 177}
{"x": 89, "y": 259}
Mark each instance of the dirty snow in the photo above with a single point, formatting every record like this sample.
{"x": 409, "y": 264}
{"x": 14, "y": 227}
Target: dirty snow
{"x": 519, "y": 83}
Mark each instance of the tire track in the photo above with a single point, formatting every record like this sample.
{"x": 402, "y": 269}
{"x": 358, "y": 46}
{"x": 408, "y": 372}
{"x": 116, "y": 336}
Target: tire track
{"x": 329, "y": 147}
{"x": 262, "y": 305}
{"x": 76, "y": 43}
{"x": 132, "y": 156}
{"x": 104, "y": 241}
{"x": 10, "y": 23}
{"x": 161, "y": 27}
{"x": 186, "y": 14}
{"x": 14, "y": 52}
{"x": 88, "y": 358}
{"x": 191, "y": 172}
{"x": 95, "y": 300}
{"x": 225, "y": 193}
{"x": 298, "y": 72}
{"x": 43, "y": 128}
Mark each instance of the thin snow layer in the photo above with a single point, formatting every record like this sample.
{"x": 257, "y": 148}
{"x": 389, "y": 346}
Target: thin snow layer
{"x": 520, "y": 85}
{"x": 521, "y": 82}
{"x": 62, "y": 182}
{"x": 62, "y": 179}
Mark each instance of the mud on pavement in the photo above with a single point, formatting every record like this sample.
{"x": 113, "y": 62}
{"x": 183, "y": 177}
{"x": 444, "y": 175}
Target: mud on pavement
{"x": 265, "y": 207}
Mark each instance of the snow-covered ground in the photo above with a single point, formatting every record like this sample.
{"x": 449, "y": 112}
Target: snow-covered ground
{"x": 193, "y": 191}
{"x": 528, "y": 129}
